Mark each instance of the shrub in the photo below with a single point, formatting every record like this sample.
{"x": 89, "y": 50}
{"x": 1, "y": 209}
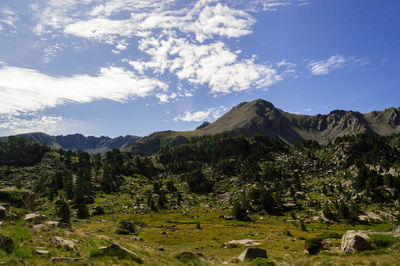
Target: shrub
{"x": 287, "y": 233}
{"x": 22, "y": 253}
{"x": 7, "y": 244}
{"x": 122, "y": 231}
{"x": 262, "y": 262}
{"x": 127, "y": 225}
{"x": 83, "y": 211}
{"x": 14, "y": 197}
{"x": 381, "y": 240}
{"x": 313, "y": 245}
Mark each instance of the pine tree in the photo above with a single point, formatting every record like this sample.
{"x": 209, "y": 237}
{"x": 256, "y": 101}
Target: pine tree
{"x": 63, "y": 212}
{"x": 83, "y": 211}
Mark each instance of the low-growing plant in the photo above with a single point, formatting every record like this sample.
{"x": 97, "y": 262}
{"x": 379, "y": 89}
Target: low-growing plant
{"x": 22, "y": 253}
{"x": 381, "y": 240}
{"x": 334, "y": 235}
{"x": 262, "y": 262}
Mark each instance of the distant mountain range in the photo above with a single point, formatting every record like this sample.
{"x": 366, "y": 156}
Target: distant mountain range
{"x": 79, "y": 142}
{"x": 248, "y": 118}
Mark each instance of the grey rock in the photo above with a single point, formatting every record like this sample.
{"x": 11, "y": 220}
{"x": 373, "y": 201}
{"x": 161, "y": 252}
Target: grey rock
{"x": 35, "y": 218}
{"x": 38, "y": 227}
{"x": 354, "y": 240}
{"x": 252, "y": 253}
{"x": 69, "y": 260}
{"x": 118, "y": 251}
{"x": 42, "y": 252}
{"x": 63, "y": 242}
{"x": 5, "y": 205}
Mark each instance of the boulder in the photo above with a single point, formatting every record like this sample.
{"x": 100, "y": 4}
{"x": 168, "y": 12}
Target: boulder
{"x": 38, "y": 227}
{"x": 252, "y": 253}
{"x": 354, "y": 240}
{"x": 42, "y": 252}
{"x": 5, "y": 205}
{"x": 3, "y": 213}
{"x": 69, "y": 260}
{"x": 119, "y": 251}
{"x": 63, "y": 242}
{"x": 35, "y": 218}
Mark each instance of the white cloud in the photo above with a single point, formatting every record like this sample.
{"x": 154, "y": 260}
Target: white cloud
{"x": 180, "y": 39}
{"x": 53, "y": 125}
{"x": 324, "y": 67}
{"x": 23, "y": 90}
{"x": 210, "y": 114}
{"x": 212, "y": 64}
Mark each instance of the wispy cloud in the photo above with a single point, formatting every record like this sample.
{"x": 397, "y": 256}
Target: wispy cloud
{"x": 209, "y": 114}
{"x": 324, "y": 67}
{"x": 24, "y": 90}
{"x": 34, "y": 122}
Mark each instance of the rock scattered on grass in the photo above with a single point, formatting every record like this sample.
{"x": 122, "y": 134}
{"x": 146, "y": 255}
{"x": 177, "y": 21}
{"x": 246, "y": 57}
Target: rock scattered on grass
{"x": 252, "y": 253}
{"x": 63, "y": 242}
{"x": 69, "y": 260}
{"x": 355, "y": 240}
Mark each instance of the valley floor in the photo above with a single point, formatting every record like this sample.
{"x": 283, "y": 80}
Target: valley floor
{"x": 166, "y": 235}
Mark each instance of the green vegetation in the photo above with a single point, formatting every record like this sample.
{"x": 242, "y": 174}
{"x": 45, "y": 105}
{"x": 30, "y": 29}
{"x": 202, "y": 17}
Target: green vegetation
{"x": 196, "y": 197}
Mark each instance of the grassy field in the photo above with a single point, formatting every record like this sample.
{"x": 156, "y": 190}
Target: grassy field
{"x": 178, "y": 232}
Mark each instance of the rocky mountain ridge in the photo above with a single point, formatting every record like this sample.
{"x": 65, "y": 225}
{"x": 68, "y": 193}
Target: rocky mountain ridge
{"x": 74, "y": 142}
{"x": 248, "y": 118}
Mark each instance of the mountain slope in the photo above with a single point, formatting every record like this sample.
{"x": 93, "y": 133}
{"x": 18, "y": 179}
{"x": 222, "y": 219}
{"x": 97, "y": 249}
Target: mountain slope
{"x": 248, "y": 118}
{"x": 79, "y": 142}
{"x": 262, "y": 117}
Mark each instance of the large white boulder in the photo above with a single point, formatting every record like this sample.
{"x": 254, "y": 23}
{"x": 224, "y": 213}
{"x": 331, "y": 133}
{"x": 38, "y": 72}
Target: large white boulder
{"x": 354, "y": 240}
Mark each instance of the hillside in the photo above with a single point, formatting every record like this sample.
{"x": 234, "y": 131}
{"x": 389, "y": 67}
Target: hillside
{"x": 79, "y": 142}
{"x": 248, "y": 118}
{"x": 203, "y": 202}
{"x": 262, "y": 117}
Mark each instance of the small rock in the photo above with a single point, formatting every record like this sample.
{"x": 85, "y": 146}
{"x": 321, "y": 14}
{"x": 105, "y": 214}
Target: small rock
{"x": 42, "y": 252}
{"x": 135, "y": 238}
{"x": 163, "y": 233}
{"x": 69, "y": 260}
{"x": 252, "y": 253}
{"x": 38, "y": 227}
{"x": 69, "y": 244}
{"x": 246, "y": 242}
{"x": 34, "y": 218}
{"x": 161, "y": 249}
{"x": 5, "y": 205}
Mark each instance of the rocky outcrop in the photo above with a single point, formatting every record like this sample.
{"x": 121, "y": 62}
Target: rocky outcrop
{"x": 252, "y": 253}
{"x": 118, "y": 251}
{"x": 355, "y": 240}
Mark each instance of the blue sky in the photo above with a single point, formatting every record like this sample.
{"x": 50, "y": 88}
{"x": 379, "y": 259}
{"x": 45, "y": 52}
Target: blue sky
{"x": 121, "y": 67}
